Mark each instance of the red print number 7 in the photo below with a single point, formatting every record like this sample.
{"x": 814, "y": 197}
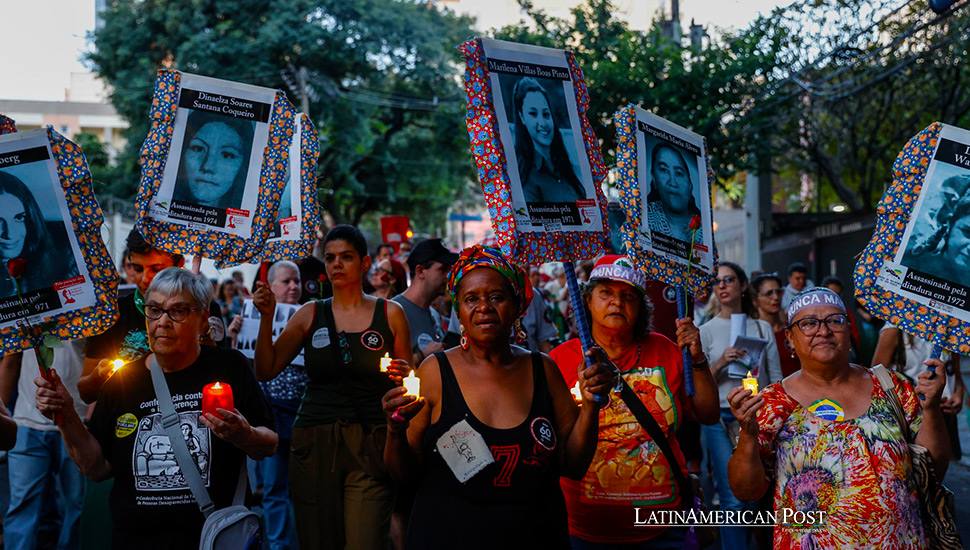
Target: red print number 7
{"x": 508, "y": 457}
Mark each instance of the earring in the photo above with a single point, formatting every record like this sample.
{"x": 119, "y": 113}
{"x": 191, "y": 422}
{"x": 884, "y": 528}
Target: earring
{"x": 793, "y": 355}
{"x": 464, "y": 339}
{"x": 519, "y": 332}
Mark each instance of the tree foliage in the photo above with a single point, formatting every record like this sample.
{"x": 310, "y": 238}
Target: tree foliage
{"x": 379, "y": 80}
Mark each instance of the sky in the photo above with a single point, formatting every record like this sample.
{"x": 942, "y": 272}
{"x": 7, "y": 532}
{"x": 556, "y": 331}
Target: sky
{"x": 49, "y": 36}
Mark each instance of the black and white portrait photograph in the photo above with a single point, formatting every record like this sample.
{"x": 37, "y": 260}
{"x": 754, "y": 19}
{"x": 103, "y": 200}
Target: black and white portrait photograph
{"x": 212, "y": 173}
{"x": 671, "y": 166}
{"x": 35, "y": 229}
{"x": 937, "y": 239}
{"x": 215, "y": 154}
{"x": 541, "y": 133}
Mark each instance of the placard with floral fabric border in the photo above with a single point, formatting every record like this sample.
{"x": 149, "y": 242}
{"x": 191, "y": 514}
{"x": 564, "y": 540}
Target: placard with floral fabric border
{"x": 86, "y": 219}
{"x": 7, "y": 125}
{"x": 226, "y": 250}
{"x": 486, "y": 146}
{"x": 657, "y": 266}
{"x": 309, "y": 148}
{"x": 893, "y": 215}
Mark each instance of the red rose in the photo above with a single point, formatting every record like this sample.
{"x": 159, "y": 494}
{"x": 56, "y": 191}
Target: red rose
{"x": 16, "y": 267}
{"x": 695, "y": 223}
{"x": 322, "y": 277}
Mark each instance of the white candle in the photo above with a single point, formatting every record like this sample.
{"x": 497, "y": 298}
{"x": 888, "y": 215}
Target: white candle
{"x": 577, "y": 393}
{"x": 385, "y": 362}
{"x": 117, "y": 364}
{"x": 413, "y": 384}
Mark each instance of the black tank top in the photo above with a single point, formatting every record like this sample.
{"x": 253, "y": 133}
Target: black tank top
{"x": 515, "y": 502}
{"x": 350, "y": 391}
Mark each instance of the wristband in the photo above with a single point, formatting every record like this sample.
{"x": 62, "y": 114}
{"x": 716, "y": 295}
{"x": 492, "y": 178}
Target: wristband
{"x": 398, "y": 417}
{"x": 700, "y": 365}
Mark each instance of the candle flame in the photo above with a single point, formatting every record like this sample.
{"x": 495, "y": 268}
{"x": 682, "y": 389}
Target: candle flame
{"x": 749, "y": 374}
{"x": 217, "y": 386}
{"x": 117, "y": 364}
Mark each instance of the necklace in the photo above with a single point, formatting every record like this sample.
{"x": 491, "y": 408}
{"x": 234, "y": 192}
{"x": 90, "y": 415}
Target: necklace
{"x": 613, "y": 360}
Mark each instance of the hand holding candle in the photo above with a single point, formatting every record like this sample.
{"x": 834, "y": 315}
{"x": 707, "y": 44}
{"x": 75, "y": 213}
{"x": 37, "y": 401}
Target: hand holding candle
{"x": 750, "y": 383}
{"x": 216, "y": 396}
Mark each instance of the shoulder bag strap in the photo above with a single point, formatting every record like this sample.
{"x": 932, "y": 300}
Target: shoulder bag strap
{"x": 170, "y": 421}
{"x": 656, "y": 433}
{"x": 886, "y": 381}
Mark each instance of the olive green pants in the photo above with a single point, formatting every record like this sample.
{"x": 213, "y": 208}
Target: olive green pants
{"x": 342, "y": 494}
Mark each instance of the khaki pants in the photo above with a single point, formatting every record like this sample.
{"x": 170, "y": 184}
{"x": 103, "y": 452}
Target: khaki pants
{"x": 342, "y": 495}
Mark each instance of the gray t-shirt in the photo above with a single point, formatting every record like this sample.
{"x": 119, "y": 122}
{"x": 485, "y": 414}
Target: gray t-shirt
{"x": 425, "y": 323}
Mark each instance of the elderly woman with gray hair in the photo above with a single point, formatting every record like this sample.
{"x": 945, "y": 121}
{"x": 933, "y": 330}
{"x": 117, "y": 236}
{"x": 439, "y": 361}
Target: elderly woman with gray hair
{"x": 127, "y": 441}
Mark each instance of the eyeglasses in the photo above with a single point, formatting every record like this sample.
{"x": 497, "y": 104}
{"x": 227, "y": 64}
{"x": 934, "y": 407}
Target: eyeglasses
{"x": 810, "y": 325}
{"x": 777, "y": 292}
{"x": 726, "y": 280}
{"x": 177, "y": 314}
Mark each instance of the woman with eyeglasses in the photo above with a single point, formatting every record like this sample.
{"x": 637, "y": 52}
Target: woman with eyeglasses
{"x": 768, "y": 291}
{"x": 733, "y": 293}
{"x": 126, "y": 440}
{"x": 342, "y": 494}
{"x": 826, "y": 440}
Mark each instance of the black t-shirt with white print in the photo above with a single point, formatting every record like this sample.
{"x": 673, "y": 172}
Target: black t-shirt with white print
{"x": 151, "y": 505}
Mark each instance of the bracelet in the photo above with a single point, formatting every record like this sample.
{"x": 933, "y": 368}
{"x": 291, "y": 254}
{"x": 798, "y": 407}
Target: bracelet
{"x": 701, "y": 366}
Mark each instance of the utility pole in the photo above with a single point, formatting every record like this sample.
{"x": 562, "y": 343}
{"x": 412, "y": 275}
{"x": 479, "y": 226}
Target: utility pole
{"x": 301, "y": 83}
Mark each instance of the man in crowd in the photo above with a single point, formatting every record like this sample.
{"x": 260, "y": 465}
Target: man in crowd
{"x": 428, "y": 263}
{"x": 384, "y": 252}
{"x": 127, "y": 339}
{"x": 797, "y": 281}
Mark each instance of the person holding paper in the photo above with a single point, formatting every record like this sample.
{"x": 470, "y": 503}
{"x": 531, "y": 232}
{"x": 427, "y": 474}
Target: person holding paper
{"x": 768, "y": 292}
{"x": 495, "y": 426}
{"x": 827, "y": 439}
{"x": 341, "y": 492}
{"x": 718, "y": 337}
{"x": 543, "y": 163}
{"x": 628, "y": 465}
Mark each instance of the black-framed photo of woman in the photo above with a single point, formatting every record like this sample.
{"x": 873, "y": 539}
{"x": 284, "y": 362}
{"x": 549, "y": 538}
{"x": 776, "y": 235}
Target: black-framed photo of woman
{"x": 36, "y": 228}
{"x": 672, "y": 175}
{"x": 212, "y": 174}
{"x": 932, "y": 264}
{"x": 541, "y": 134}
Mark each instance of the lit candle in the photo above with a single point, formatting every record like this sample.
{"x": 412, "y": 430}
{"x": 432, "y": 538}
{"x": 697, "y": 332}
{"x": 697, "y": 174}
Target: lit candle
{"x": 413, "y": 384}
{"x": 577, "y": 393}
{"x": 117, "y": 364}
{"x": 750, "y": 383}
{"x": 216, "y": 396}
{"x": 385, "y": 362}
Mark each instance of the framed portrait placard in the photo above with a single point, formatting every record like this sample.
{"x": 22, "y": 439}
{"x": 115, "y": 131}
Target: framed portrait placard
{"x": 665, "y": 182}
{"x": 51, "y": 221}
{"x": 7, "y": 125}
{"x": 539, "y": 163}
{"x": 213, "y": 166}
{"x": 298, "y": 220}
{"x": 915, "y": 273}
{"x": 249, "y": 332}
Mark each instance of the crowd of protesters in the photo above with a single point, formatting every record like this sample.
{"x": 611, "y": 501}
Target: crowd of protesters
{"x": 510, "y": 444}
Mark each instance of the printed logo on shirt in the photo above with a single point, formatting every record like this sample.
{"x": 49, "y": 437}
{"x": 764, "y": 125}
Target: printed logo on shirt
{"x": 670, "y": 294}
{"x": 153, "y": 459}
{"x": 125, "y": 425}
{"x": 372, "y": 340}
{"x": 321, "y": 338}
{"x": 544, "y": 433}
{"x": 424, "y": 340}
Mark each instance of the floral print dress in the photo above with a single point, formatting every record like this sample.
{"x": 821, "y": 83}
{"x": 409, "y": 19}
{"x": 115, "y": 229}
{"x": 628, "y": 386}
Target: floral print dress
{"x": 857, "y": 471}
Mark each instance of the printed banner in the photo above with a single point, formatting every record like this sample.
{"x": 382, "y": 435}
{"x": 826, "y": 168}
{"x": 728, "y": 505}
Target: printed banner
{"x": 665, "y": 181}
{"x": 246, "y": 341}
{"x": 213, "y": 167}
{"x": 915, "y": 273}
{"x": 539, "y": 163}
{"x": 52, "y": 221}
{"x": 298, "y": 220}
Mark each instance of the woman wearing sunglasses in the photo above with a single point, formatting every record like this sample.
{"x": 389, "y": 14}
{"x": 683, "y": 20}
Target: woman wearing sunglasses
{"x": 342, "y": 495}
{"x": 734, "y": 294}
{"x": 768, "y": 292}
{"x": 826, "y": 439}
